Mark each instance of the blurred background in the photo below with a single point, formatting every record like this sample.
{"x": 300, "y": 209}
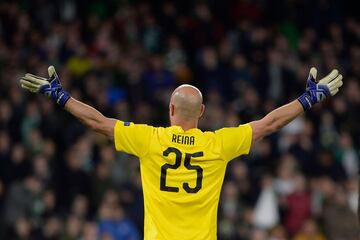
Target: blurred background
{"x": 58, "y": 180}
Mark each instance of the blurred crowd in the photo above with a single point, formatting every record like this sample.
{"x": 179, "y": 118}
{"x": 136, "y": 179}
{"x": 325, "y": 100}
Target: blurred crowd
{"x": 58, "y": 180}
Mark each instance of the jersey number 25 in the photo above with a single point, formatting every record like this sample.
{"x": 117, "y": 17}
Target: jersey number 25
{"x": 187, "y": 164}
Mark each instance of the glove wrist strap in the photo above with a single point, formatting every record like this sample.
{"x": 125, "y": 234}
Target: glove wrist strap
{"x": 60, "y": 97}
{"x": 305, "y": 100}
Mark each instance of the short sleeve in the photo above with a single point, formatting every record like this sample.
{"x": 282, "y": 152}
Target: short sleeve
{"x": 132, "y": 138}
{"x": 236, "y": 141}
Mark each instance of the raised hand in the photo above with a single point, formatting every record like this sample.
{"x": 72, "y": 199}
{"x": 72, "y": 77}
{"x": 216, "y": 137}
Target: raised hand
{"x": 50, "y": 87}
{"x": 319, "y": 91}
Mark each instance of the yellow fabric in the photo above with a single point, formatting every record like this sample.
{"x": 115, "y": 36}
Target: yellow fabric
{"x": 301, "y": 236}
{"x": 181, "y": 196}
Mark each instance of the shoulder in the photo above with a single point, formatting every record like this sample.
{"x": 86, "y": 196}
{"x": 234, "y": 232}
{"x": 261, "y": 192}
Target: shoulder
{"x": 234, "y": 130}
{"x": 139, "y": 131}
{"x": 131, "y": 125}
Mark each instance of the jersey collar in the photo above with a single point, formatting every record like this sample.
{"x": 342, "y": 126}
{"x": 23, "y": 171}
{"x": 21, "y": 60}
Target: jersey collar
{"x": 191, "y": 130}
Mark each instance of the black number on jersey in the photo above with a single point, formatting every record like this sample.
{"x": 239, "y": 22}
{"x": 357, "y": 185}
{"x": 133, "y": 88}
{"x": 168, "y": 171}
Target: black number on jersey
{"x": 187, "y": 164}
{"x": 199, "y": 172}
{"x": 165, "y": 167}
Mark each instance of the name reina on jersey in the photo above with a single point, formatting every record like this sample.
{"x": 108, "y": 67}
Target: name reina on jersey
{"x": 181, "y": 139}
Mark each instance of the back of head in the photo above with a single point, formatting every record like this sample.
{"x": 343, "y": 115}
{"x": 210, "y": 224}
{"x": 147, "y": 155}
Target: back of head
{"x": 186, "y": 104}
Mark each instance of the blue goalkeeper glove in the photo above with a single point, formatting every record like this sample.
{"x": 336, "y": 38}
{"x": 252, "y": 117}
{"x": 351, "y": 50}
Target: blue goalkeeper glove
{"x": 319, "y": 91}
{"x": 50, "y": 87}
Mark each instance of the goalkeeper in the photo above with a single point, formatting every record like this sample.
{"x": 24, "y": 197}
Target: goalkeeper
{"x": 182, "y": 167}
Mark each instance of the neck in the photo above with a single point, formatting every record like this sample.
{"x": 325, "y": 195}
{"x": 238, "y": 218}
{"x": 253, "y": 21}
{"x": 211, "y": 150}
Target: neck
{"x": 185, "y": 125}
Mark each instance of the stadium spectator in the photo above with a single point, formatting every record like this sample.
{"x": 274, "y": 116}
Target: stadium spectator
{"x": 298, "y": 205}
{"x": 339, "y": 220}
{"x": 112, "y": 221}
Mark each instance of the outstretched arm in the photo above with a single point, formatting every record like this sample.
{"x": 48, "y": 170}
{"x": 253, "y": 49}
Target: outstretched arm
{"x": 315, "y": 92}
{"x": 276, "y": 119}
{"x": 86, "y": 114}
{"x": 91, "y": 117}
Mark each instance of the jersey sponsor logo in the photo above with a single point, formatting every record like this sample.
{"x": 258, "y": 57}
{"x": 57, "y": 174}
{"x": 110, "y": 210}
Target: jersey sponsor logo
{"x": 126, "y": 123}
{"x": 181, "y": 139}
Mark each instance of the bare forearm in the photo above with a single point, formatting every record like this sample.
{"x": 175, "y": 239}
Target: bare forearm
{"x": 85, "y": 113}
{"x": 90, "y": 117}
{"x": 276, "y": 119}
{"x": 284, "y": 115}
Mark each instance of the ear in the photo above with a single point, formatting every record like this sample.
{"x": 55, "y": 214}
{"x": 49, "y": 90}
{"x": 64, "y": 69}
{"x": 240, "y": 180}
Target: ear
{"x": 202, "y": 110}
{"x": 171, "y": 109}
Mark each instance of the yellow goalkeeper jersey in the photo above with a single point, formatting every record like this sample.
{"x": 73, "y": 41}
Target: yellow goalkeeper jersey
{"x": 182, "y": 173}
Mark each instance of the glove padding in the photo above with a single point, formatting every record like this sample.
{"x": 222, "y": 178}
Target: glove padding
{"x": 319, "y": 91}
{"x": 50, "y": 87}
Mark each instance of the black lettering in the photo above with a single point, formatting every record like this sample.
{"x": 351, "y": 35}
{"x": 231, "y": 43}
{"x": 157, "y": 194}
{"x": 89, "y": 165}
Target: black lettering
{"x": 188, "y": 140}
{"x": 184, "y": 139}
{"x": 192, "y": 140}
